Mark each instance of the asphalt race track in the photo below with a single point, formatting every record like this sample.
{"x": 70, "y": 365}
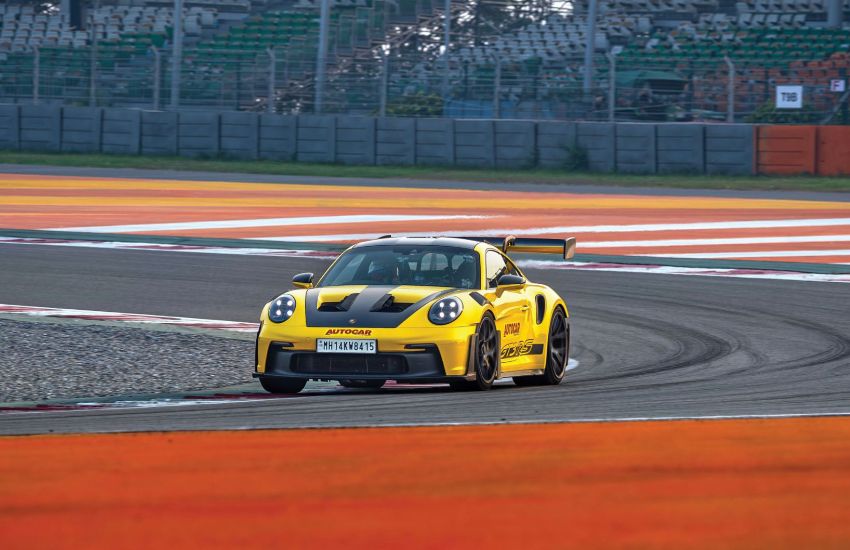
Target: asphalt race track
{"x": 648, "y": 346}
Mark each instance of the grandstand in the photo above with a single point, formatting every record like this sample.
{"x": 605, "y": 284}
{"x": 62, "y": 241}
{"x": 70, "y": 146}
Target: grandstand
{"x": 519, "y": 59}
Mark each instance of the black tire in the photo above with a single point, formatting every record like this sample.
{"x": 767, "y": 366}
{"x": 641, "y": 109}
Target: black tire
{"x": 486, "y": 360}
{"x": 282, "y": 385}
{"x": 557, "y": 354}
{"x": 367, "y": 384}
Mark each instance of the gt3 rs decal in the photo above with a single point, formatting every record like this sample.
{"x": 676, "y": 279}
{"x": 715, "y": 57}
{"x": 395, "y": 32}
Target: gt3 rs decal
{"x": 527, "y": 347}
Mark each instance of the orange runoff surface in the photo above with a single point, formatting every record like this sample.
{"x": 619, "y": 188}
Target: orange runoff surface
{"x": 696, "y": 484}
{"x": 57, "y": 202}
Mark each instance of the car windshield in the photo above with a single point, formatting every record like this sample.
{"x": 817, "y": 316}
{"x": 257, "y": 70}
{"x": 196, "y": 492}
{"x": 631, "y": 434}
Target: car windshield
{"x": 405, "y": 265}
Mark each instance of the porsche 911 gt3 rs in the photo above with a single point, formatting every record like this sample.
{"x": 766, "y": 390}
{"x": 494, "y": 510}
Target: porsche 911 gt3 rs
{"x": 418, "y": 310}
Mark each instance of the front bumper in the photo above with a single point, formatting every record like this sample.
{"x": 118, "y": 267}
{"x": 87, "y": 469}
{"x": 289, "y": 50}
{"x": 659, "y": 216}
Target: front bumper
{"x": 424, "y": 363}
{"x": 406, "y": 354}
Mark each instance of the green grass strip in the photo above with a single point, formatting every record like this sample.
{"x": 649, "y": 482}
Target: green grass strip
{"x": 537, "y": 175}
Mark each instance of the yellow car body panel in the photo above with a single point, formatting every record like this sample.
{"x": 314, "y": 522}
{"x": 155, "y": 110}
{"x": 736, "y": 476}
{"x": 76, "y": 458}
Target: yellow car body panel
{"x": 522, "y": 315}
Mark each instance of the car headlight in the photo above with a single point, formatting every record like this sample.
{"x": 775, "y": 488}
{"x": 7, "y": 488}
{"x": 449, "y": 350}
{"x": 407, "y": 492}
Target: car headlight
{"x": 445, "y": 311}
{"x": 281, "y": 308}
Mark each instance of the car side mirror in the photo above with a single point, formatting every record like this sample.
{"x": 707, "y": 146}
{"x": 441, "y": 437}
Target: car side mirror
{"x": 303, "y": 280}
{"x": 510, "y": 280}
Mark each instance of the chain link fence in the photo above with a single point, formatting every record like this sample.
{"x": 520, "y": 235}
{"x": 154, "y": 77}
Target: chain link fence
{"x": 625, "y": 87}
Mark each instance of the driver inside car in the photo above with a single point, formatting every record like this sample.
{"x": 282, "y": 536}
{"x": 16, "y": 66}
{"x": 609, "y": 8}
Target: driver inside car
{"x": 384, "y": 271}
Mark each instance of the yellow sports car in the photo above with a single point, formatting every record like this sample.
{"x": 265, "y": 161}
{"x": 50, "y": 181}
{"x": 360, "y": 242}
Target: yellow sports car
{"x": 418, "y": 310}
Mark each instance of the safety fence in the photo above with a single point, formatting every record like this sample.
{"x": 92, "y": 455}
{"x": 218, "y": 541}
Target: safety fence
{"x": 625, "y": 87}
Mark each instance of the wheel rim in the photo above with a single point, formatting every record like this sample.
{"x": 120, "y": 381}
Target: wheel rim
{"x": 558, "y": 344}
{"x": 487, "y": 352}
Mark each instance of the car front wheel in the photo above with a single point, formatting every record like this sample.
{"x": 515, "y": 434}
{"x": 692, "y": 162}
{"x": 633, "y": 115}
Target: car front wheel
{"x": 486, "y": 358}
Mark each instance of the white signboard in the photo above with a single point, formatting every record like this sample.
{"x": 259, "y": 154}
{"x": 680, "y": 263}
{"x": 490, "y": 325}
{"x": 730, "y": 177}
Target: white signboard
{"x": 837, "y": 85}
{"x": 789, "y": 97}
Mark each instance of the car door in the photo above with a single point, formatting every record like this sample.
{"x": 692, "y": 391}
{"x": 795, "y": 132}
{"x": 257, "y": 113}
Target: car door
{"x": 512, "y": 308}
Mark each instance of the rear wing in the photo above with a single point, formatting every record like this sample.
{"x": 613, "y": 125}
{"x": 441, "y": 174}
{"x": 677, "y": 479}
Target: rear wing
{"x": 563, "y": 247}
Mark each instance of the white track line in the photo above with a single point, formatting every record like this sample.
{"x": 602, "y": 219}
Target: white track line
{"x": 161, "y": 247}
{"x": 586, "y": 420}
{"x": 716, "y": 242}
{"x": 693, "y": 271}
{"x": 264, "y": 222}
{"x": 758, "y": 254}
{"x": 63, "y": 313}
{"x": 538, "y": 264}
{"x": 570, "y": 230}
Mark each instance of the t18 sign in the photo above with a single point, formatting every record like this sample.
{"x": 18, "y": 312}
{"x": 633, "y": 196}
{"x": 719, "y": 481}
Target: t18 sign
{"x": 789, "y": 97}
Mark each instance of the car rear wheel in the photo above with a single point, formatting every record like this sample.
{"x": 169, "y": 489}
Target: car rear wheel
{"x": 486, "y": 359}
{"x": 369, "y": 384}
{"x": 282, "y": 385}
{"x": 557, "y": 354}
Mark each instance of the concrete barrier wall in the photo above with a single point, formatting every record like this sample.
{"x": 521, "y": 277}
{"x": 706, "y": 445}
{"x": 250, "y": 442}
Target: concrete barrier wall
{"x": 784, "y": 150}
{"x": 606, "y": 147}
{"x": 278, "y": 137}
{"x": 680, "y": 148}
{"x": 316, "y": 138}
{"x": 40, "y": 127}
{"x": 395, "y": 141}
{"x": 833, "y": 150}
{"x": 81, "y": 129}
{"x": 198, "y": 134}
{"x": 159, "y": 133}
{"x": 598, "y": 140}
{"x": 355, "y": 140}
{"x": 635, "y": 148}
{"x": 121, "y": 131}
{"x": 556, "y": 142}
{"x": 475, "y": 143}
{"x": 435, "y": 141}
{"x": 239, "y": 135}
{"x": 729, "y": 149}
{"x": 515, "y": 144}
{"x": 9, "y": 127}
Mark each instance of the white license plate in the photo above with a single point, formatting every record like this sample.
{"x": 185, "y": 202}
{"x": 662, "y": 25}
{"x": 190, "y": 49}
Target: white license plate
{"x": 341, "y": 345}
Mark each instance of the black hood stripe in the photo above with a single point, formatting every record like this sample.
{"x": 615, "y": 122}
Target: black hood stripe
{"x": 360, "y": 309}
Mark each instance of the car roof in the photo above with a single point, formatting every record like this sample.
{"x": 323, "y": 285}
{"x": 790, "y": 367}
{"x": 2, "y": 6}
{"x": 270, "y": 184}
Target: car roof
{"x": 421, "y": 241}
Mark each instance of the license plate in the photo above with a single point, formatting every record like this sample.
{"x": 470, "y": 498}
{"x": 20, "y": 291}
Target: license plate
{"x": 340, "y": 345}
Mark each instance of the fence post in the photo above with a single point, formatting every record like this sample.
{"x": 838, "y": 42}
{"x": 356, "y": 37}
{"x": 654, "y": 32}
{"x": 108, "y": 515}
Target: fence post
{"x": 730, "y": 93}
{"x": 157, "y": 76}
{"x": 612, "y": 85}
{"x": 322, "y": 53}
{"x": 497, "y": 89}
{"x": 93, "y": 64}
{"x": 447, "y": 42}
{"x": 272, "y": 79}
{"x": 36, "y": 74}
{"x": 385, "y": 77}
{"x": 176, "y": 52}
{"x": 589, "y": 47}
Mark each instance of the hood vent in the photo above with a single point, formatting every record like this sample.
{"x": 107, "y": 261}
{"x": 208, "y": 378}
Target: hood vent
{"x": 387, "y": 304}
{"x": 343, "y": 305}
